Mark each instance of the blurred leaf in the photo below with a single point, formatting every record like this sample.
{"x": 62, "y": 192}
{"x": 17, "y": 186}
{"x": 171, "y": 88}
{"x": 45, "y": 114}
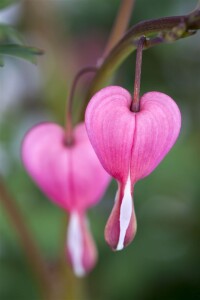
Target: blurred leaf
{"x": 10, "y": 35}
{"x": 1, "y": 61}
{"x": 5, "y": 3}
{"x": 27, "y": 53}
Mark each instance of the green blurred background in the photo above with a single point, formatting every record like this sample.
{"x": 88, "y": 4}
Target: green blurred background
{"x": 163, "y": 262}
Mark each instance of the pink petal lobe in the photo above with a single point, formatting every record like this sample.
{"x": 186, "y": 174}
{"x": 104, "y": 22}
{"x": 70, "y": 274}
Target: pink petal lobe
{"x": 124, "y": 140}
{"x": 110, "y": 125}
{"x": 67, "y": 175}
{"x": 81, "y": 249}
{"x": 121, "y": 226}
{"x": 157, "y": 127}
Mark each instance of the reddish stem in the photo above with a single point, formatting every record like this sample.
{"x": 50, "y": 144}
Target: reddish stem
{"x": 69, "y": 127}
{"x": 135, "y": 106}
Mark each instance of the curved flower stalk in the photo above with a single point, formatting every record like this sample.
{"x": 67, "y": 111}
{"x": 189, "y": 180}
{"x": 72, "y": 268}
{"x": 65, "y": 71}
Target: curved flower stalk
{"x": 129, "y": 145}
{"x": 73, "y": 178}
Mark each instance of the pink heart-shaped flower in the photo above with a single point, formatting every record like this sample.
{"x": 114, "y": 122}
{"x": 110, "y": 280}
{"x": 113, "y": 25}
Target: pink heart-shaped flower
{"x": 129, "y": 145}
{"x": 72, "y": 177}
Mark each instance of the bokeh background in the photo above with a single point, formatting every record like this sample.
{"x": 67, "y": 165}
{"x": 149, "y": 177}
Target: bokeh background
{"x": 163, "y": 262}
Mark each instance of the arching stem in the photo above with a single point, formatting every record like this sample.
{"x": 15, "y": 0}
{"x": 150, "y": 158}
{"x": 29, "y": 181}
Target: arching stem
{"x": 157, "y": 31}
{"x": 69, "y": 122}
{"x": 135, "y": 106}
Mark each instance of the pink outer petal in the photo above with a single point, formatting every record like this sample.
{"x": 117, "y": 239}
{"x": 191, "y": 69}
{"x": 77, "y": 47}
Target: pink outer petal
{"x": 157, "y": 127}
{"x": 121, "y": 226}
{"x": 81, "y": 249}
{"x": 67, "y": 175}
{"x": 110, "y": 125}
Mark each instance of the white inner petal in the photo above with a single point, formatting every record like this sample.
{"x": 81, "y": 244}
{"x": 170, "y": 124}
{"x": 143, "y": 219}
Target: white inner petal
{"x": 75, "y": 244}
{"x": 125, "y": 214}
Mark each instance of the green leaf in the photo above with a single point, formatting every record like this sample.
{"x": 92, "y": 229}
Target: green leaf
{"x": 5, "y": 3}
{"x": 10, "y": 35}
{"x": 25, "y": 52}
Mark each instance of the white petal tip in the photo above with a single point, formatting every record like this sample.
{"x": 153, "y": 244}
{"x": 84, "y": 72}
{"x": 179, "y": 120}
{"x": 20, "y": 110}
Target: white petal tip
{"x": 119, "y": 247}
{"x": 75, "y": 244}
{"x": 79, "y": 272}
{"x": 125, "y": 214}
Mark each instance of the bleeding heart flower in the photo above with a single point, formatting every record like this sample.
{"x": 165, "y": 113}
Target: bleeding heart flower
{"x": 129, "y": 145}
{"x": 73, "y": 178}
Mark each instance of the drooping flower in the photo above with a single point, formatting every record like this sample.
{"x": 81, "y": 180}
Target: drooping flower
{"x": 73, "y": 178}
{"x": 130, "y": 146}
